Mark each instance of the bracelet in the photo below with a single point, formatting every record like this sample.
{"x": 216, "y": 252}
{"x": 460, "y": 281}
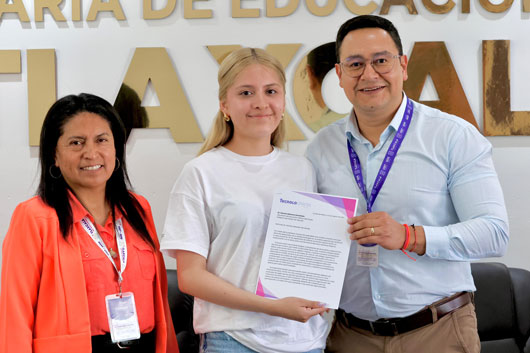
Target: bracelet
{"x": 407, "y": 240}
{"x": 407, "y": 237}
{"x": 414, "y": 230}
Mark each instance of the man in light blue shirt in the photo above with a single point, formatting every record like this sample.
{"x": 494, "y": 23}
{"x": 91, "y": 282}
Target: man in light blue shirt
{"x": 432, "y": 203}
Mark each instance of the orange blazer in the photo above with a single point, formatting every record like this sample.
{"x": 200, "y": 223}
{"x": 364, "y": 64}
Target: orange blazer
{"x": 43, "y": 300}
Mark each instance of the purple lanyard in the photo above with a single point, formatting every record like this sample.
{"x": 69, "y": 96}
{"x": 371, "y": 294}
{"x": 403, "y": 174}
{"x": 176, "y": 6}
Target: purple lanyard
{"x": 387, "y": 162}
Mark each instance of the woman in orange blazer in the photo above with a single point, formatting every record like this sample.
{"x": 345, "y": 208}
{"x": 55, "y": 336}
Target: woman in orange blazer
{"x": 85, "y": 243}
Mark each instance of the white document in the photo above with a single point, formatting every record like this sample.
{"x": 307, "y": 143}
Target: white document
{"x": 307, "y": 246}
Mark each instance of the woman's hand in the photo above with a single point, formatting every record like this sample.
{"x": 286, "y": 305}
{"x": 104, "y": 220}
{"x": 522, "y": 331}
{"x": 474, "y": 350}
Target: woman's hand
{"x": 297, "y": 309}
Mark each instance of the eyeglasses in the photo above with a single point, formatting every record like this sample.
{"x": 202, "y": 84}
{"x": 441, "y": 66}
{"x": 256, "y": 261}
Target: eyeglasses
{"x": 382, "y": 64}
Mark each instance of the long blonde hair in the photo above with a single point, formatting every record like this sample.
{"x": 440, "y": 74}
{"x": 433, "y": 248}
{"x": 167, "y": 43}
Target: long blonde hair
{"x": 222, "y": 131}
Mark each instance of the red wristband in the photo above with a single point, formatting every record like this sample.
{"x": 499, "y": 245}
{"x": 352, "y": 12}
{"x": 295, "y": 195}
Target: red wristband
{"x": 407, "y": 240}
{"x": 414, "y": 230}
{"x": 407, "y": 237}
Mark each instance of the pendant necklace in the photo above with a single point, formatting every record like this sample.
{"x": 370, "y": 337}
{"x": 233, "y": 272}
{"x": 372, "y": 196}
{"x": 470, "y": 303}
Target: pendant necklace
{"x": 113, "y": 253}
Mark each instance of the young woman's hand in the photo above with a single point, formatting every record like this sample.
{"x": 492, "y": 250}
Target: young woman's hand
{"x": 297, "y": 309}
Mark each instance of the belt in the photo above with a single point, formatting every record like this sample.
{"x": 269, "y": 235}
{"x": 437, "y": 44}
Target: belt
{"x": 103, "y": 343}
{"x": 394, "y": 327}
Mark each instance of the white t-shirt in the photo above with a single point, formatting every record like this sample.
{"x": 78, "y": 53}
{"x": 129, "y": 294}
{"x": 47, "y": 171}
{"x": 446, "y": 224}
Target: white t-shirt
{"x": 219, "y": 208}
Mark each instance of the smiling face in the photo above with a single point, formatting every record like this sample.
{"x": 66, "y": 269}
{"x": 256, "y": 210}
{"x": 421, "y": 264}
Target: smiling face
{"x": 85, "y": 153}
{"x": 372, "y": 94}
{"x": 255, "y": 103}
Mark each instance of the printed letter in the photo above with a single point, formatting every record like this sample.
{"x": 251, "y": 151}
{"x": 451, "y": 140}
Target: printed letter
{"x": 307, "y": 87}
{"x": 439, "y": 9}
{"x": 42, "y": 89}
{"x": 466, "y": 6}
{"x": 16, "y": 7}
{"x": 273, "y": 11}
{"x": 10, "y": 62}
{"x": 76, "y": 10}
{"x": 497, "y": 8}
{"x": 321, "y": 10}
{"x": 238, "y": 12}
{"x": 408, "y": 3}
{"x": 499, "y": 119}
{"x": 98, "y": 6}
{"x": 53, "y": 6}
{"x": 190, "y": 12}
{"x": 360, "y": 10}
{"x": 432, "y": 58}
{"x": 174, "y": 112}
{"x": 150, "y": 14}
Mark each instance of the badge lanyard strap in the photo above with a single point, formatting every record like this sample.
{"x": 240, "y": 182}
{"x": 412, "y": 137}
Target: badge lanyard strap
{"x": 387, "y": 162}
{"x": 121, "y": 242}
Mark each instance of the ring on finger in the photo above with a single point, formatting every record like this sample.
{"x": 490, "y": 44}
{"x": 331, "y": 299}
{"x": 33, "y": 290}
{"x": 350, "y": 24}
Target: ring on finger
{"x": 372, "y": 230}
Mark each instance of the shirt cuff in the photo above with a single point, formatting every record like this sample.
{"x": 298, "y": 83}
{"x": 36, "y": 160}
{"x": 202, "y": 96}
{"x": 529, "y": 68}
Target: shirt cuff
{"x": 436, "y": 242}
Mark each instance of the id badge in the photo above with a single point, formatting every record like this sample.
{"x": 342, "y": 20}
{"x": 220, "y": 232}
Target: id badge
{"x": 123, "y": 319}
{"x": 367, "y": 256}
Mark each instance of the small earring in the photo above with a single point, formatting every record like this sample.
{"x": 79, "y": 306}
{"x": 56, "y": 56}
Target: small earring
{"x": 51, "y": 173}
{"x": 117, "y": 165}
{"x": 283, "y": 115}
{"x": 226, "y": 117}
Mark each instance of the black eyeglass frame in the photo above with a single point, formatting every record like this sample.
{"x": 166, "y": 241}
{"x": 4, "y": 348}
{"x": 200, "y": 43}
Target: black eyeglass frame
{"x": 361, "y": 71}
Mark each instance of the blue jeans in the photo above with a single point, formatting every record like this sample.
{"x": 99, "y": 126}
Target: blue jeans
{"x": 220, "y": 342}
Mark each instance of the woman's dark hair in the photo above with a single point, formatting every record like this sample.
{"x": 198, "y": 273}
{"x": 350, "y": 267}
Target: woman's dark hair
{"x": 367, "y": 21}
{"x": 54, "y": 191}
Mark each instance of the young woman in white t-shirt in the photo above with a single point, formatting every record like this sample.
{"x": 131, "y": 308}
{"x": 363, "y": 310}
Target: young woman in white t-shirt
{"x": 218, "y": 213}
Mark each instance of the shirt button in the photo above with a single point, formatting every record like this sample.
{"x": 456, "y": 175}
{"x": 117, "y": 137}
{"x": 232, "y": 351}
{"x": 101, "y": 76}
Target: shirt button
{"x": 86, "y": 254}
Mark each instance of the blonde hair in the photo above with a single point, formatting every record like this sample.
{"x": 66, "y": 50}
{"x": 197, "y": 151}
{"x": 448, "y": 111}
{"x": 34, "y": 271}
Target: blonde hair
{"x": 222, "y": 131}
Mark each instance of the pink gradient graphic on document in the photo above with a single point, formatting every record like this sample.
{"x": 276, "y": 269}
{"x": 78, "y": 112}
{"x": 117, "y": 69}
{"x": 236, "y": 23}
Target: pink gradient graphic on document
{"x": 345, "y": 206}
{"x": 262, "y": 292}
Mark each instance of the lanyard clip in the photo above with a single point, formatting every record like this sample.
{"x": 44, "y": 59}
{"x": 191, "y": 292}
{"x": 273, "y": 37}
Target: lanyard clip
{"x": 120, "y": 280}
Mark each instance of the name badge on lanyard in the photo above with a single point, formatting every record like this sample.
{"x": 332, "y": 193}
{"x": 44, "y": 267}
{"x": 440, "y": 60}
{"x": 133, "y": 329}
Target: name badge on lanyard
{"x": 368, "y": 254}
{"x": 121, "y": 308}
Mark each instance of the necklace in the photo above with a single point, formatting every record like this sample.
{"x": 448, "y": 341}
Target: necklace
{"x": 113, "y": 253}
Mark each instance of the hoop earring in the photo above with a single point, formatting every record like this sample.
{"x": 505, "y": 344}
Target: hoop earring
{"x": 226, "y": 117}
{"x": 51, "y": 173}
{"x": 117, "y": 165}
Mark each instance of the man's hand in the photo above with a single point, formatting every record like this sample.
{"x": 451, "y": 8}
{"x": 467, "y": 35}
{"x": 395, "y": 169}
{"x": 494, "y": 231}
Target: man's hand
{"x": 377, "y": 228}
{"x": 381, "y": 229}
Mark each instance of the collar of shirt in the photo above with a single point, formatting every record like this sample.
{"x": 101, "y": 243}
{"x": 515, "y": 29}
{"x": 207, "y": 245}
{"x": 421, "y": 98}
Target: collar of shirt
{"x": 352, "y": 128}
{"x": 79, "y": 212}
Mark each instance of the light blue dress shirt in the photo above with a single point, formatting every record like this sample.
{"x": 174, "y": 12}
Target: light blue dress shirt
{"x": 443, "y": 179}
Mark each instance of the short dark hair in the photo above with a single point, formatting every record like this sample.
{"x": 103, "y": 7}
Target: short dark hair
{"x": 53, "y": 190}
{"x": 367, "y": 21}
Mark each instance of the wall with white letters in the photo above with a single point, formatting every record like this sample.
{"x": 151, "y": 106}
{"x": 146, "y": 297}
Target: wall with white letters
{"x": 94, "y": 56}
